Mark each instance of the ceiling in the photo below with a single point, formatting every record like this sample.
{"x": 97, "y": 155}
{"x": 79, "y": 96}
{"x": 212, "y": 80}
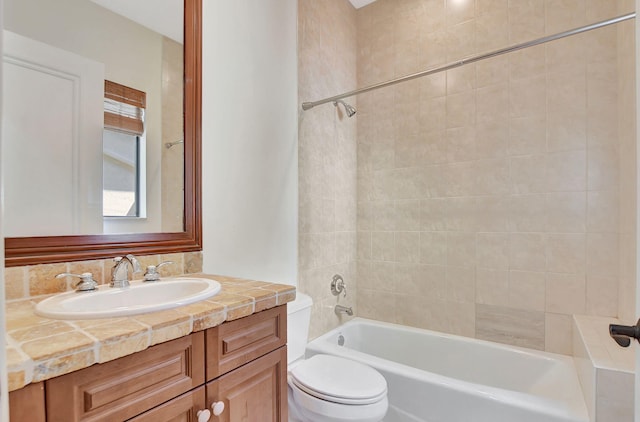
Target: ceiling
{"x": 360, "y": 3}
{"x": 162, "y": 16}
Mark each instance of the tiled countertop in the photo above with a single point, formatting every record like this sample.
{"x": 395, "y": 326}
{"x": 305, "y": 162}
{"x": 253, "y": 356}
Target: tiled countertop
{"x": 40, "y": 348}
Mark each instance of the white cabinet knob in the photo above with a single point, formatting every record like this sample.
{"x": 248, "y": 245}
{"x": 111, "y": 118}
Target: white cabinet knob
{"x": 203, "y": 415}
{"x": 217, "y": 407}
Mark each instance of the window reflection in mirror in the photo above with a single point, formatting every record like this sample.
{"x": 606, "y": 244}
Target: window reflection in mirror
{"x": 121, "y": 175}
{"x": 123, "y": 149}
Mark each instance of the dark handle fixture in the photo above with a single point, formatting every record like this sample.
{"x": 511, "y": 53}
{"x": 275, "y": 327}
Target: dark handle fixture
{"x": 623, "y": 334}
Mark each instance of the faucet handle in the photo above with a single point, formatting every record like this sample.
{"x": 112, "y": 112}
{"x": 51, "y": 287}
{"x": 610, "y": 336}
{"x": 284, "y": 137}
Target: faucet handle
{"x": 86, "y": 283}
{"x": 338, "y": 286}
{"x": 151, "y": 274}
{"x": 135, "y": 265}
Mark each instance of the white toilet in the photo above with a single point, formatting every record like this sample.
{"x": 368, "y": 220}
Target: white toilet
{"x": 328, "y": 388}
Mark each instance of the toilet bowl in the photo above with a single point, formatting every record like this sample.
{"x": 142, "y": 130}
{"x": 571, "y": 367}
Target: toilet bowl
{"x": 327, "y": 388}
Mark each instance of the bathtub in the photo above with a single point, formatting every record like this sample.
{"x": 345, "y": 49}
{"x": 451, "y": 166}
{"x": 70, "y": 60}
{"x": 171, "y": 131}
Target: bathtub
{"x": 436, "y": 377}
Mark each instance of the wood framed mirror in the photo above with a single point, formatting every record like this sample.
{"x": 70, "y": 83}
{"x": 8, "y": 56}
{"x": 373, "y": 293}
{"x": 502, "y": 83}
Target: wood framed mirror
{"x": 49, "y": 249}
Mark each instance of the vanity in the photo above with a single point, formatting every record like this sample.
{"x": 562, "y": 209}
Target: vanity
{"x": 222, "y": 359}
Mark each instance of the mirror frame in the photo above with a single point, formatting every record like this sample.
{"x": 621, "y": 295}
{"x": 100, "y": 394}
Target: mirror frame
{"x": 51, "y": 249}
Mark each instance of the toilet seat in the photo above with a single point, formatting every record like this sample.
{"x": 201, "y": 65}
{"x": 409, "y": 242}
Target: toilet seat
{"x": 339, "y": 380}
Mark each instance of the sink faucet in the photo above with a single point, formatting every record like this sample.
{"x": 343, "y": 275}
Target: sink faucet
{"x": 120, "y": 272}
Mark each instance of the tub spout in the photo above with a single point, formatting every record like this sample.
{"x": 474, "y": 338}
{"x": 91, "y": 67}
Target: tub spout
{"x": 339, "y": 309}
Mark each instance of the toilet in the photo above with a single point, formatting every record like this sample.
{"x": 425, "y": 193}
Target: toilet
{"x": 327, "y": 388}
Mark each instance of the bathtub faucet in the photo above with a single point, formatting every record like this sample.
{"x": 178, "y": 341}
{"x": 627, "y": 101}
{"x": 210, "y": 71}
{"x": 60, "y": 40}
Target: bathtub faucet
{"x": 339, "y": 309}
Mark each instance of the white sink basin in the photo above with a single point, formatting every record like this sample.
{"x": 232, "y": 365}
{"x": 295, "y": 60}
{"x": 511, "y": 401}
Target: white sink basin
{"x": 139, "y": 298}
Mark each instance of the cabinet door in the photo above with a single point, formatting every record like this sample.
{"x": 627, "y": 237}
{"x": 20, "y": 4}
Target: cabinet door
{"x": 181, "y": 409}
{"x": 255, "y": 392}
{"x": 27, "y": 404}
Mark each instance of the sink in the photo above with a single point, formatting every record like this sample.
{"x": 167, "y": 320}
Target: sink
{"x": 138, "y": 298}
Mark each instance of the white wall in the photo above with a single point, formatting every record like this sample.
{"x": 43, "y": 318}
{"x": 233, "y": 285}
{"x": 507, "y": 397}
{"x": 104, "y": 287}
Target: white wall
{"x": 4, "y": 386}
{"x": 249, "y": 158}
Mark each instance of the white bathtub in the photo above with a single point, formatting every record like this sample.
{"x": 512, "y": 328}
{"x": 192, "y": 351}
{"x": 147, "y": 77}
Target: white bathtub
{"x": 436, "y": 377}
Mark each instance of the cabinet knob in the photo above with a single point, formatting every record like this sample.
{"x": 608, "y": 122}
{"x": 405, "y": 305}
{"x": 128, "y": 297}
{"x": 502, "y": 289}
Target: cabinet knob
{"x": 203, "y": 415}
{"x": 218, "y": 408}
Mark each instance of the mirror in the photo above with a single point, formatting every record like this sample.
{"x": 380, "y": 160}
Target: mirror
{"x": 172, "y": 148}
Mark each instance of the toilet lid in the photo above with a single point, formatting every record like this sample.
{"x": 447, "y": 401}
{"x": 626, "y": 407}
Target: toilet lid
{"x": 339, "y": 380}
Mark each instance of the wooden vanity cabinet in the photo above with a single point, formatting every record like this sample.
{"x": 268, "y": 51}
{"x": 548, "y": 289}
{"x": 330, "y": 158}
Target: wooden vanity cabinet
{"x": 242, "y": 363}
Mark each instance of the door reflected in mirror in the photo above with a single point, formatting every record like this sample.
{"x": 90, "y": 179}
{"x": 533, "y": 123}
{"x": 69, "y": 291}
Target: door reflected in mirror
{"x": 68, "y": 169}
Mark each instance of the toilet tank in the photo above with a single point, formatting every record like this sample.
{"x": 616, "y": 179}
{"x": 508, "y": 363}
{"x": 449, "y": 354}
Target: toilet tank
{"x": 298, "y": 318}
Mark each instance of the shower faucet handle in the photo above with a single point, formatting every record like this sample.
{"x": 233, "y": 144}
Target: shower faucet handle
{"x": 623, "y": 334}
{"x": 338, "y": 286}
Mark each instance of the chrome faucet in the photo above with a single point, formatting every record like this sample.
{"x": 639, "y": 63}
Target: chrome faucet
{"x": 339, "y": 309}
{"x": 120, "y": 272}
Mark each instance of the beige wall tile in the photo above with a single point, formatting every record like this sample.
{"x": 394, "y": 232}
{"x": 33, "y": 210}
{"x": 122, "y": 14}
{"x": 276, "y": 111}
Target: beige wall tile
{"x": 558, "y": 333}
{"x": 528, "y": 174}
{"x": 15, "y": 281}
{"x": 493, "y": 251}
{"x": 527, "y": 213}
{"x": 460, "y": 40}
{"x": 434, "y": 214}
{"x": 566, "y": 253}
{"x": 492, "y": 71}
{"x": 433, "y": 248}
{"x": 461, "y": 79}
{"x": 602, "y": 296}
{"x": 492, "y": 287}
{"x": 461, "y": 144}
{"x": 603, "y": 211}
{"x": 460, "y": 284}
{"x": 461, "y": 109}
{"x": 527, "y": 135}
{"x": 492, "y": 30}
{"x": 493, "y": 213}
{"x": 407, "y": 245}
{"x": 566, "y": 212}
{"x": 42, "y": 279}
{"x": 510, "y": 326}
{"x": 461, "y": 249}
{"x": 382, "y": 246}
{"x": 527, "y": 290}
{"x": 566, "y": 293}
{"x": 526, "y": 251}
{"x": 407, "y": 215}
{"x": 492, "y": 138}
{"x": 602, "y": 254}
{"x": 526, "y": 20}
{"x": 566, "y": 171}
{"x": 527, "y": 96}
{"x": 602, "y": 168}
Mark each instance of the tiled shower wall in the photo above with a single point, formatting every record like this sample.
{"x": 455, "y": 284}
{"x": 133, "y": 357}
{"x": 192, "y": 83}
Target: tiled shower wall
{"x": 628, "y": 166}
{"x": 327, "y": 158}
{"x": 489, "y": 196}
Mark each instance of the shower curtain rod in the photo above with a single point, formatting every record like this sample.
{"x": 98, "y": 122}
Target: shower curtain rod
{"x": 473, "y": 59}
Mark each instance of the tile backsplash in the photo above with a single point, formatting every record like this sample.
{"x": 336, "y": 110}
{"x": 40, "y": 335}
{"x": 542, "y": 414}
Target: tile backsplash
{"x": 36, "y": 280}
